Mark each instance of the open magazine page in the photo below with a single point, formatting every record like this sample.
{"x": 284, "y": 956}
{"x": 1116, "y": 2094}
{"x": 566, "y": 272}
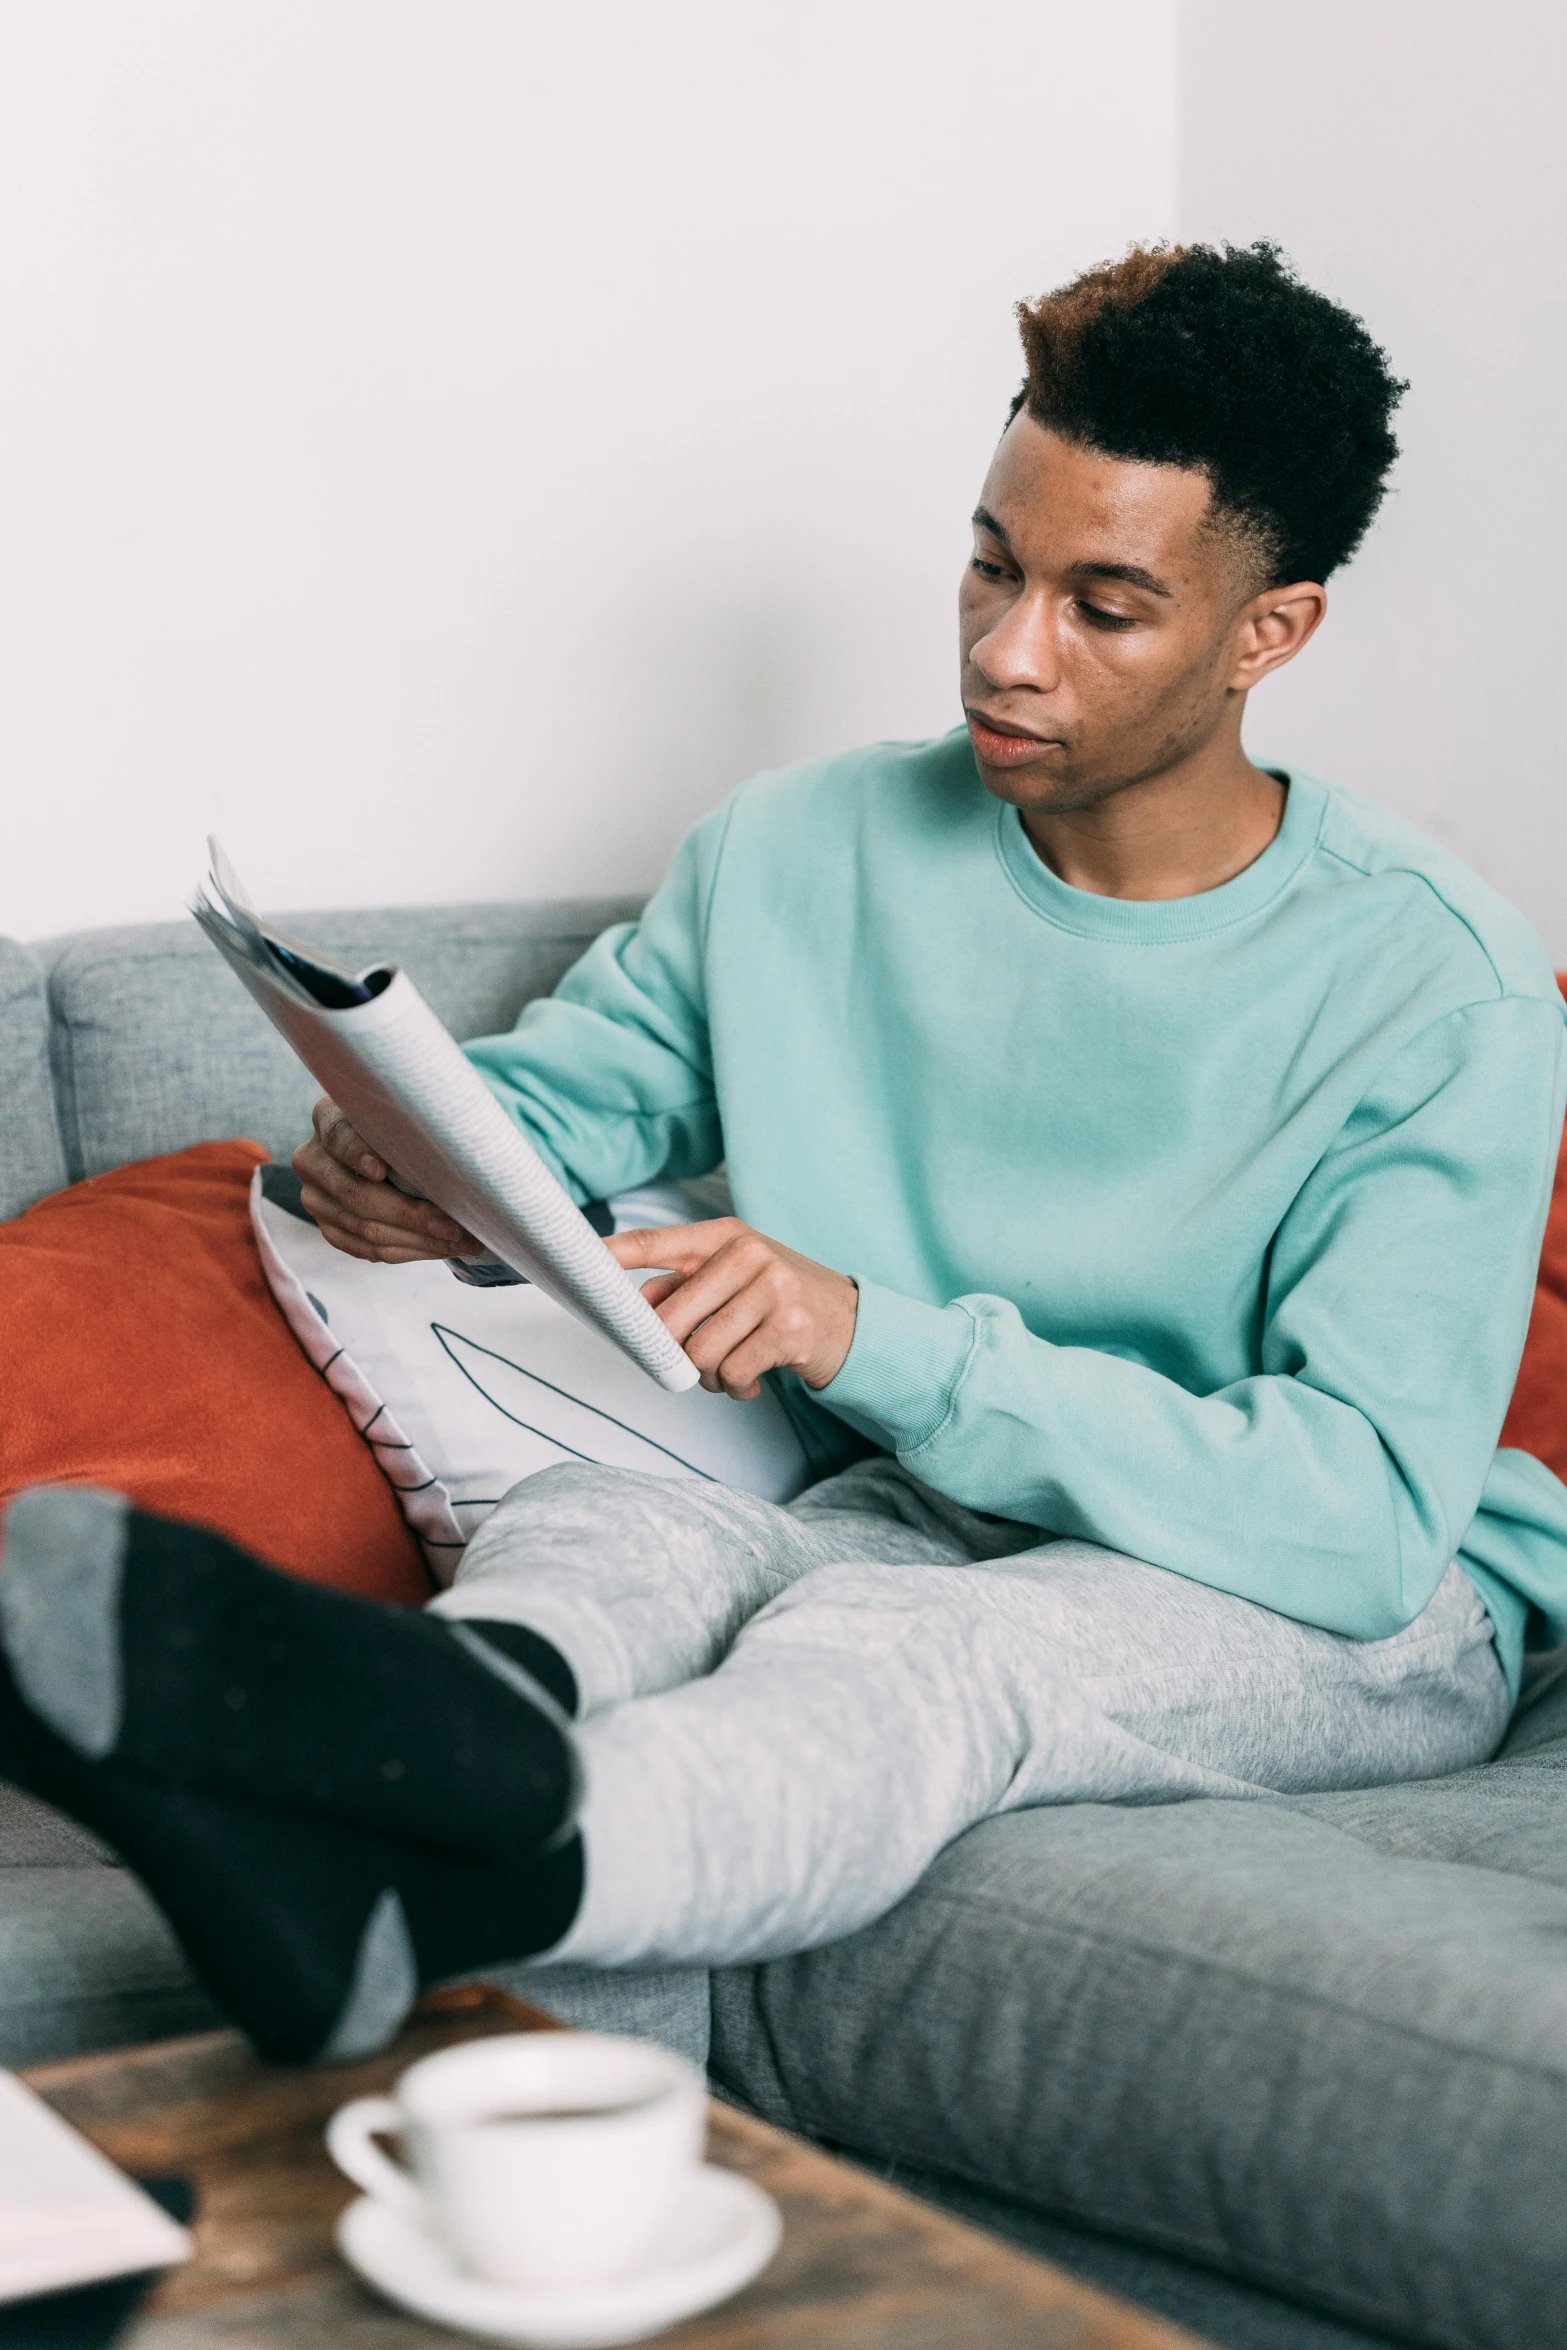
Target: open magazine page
{"x": 413, "y": 1094}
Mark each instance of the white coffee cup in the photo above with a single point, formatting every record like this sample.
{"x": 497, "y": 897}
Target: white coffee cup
{"x": 540, "y": 2158}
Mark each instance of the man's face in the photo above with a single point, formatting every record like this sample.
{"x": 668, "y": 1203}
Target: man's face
{"x": 1098, "y": 618}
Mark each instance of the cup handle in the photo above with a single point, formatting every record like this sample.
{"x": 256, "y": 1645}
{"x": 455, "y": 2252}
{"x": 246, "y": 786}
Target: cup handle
{"x": 350, "y": 2140}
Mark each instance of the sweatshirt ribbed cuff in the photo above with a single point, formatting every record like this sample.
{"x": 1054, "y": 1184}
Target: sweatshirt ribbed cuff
{"x": 897, "y": 1380}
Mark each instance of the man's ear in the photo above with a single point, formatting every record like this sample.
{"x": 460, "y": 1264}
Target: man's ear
{"x": 1271, "y": 629}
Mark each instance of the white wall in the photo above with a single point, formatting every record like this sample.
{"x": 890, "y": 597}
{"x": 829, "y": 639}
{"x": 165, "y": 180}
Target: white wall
{"x": 445, "y": 443}
{"x": 1411, "y": 157}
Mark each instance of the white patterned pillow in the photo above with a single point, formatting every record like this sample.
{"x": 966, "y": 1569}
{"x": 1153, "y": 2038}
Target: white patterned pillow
{"x": 462, "y": 1391}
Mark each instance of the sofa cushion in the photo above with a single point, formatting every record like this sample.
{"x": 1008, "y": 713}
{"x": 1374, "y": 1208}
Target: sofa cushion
{"x": 156, "y": 1045}
{"x": 147, "y": 1356}
{"x": 32, "y": 1160}
{"x": 666, "y": 2004}
{"x": 1317, "y": 2042}
{"x": 33, "y": 1835}
{"x": 469, "y": 1389}
{"x": 86, "y": 1961}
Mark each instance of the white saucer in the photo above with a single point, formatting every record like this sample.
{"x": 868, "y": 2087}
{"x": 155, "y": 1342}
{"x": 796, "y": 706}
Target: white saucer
{"x": 723, "y": 2232}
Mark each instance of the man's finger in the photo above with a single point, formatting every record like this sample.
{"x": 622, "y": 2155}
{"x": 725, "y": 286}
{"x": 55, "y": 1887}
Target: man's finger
{"x": 712, "y": 1342}
{"x": 349, "y": 1244}
{"x": 338, "y": 1137}
{"x": 317, "y": 1165}
{"x": 680, "y": 1247}
{"x": 379, "y": 1202}
{"x": 740, "y": 1373}
{"x": 377, "y": 1252}
{"x": 335, "y": 1215}
{"x": 704, "y": 1292}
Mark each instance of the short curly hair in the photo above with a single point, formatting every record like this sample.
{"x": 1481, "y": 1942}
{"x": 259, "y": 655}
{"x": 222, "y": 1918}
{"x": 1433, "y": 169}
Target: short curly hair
{"x": 1219, "y": 359}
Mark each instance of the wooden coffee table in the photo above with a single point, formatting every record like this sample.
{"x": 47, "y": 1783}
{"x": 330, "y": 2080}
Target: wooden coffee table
{"x": 861, "y": 2267}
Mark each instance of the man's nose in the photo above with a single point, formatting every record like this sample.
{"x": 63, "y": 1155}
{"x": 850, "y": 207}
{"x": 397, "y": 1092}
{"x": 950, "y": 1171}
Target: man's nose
{"x": 1023, "y": 649}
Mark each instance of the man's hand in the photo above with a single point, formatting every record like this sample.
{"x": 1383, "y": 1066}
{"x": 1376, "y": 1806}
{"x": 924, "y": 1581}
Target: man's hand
{"x": 741, "y": 1304}
{"x": 346, "y": 1190}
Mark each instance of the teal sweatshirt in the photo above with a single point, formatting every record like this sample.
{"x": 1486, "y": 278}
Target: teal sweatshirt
{"x": 1203, "y": 1228}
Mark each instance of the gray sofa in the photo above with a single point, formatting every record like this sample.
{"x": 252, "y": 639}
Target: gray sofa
{"x": 1293, "y": 2072}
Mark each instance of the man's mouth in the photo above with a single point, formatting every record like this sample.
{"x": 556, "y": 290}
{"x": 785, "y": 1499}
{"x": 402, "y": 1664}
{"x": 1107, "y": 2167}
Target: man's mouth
{"x": 1006, "y": 746}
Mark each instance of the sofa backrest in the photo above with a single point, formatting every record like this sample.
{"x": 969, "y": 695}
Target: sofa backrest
{"x": 32, "y": 1159}
{"x": 155, "y": 1045}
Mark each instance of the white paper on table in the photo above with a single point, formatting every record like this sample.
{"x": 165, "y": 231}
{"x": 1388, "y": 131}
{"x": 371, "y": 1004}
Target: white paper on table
{"x": 67, "y": 2216}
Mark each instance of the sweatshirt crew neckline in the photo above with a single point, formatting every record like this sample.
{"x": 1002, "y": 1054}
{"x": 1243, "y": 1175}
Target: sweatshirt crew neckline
{"x": 1166, "y": 921}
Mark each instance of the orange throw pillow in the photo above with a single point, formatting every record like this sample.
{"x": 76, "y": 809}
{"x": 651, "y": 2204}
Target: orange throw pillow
{"x": 1537, "y": 1416}
{"x": 140, "y": 1349}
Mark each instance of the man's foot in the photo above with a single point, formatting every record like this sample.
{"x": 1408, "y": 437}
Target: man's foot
{"x": 163, "y": 1647}
{"x": 315, "y": 1939}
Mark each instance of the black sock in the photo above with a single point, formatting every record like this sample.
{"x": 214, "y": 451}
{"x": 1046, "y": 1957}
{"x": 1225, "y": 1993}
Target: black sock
{"x": 164, "y": 1647}
{"x": 534, "y": 1653}
{"x": 313, "y": 1938}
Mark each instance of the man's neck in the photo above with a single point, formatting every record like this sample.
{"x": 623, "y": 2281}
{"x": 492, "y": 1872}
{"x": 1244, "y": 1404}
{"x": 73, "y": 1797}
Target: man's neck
{"x": 1173, "y": 836}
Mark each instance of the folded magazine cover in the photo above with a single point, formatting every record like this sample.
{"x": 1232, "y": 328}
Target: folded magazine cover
{"x": 373, "y": 1044}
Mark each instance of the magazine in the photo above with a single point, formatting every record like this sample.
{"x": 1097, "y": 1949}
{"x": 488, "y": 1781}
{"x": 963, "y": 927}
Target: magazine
{"x": 373, "y": 1044}
{"x": 67, "y": 2216}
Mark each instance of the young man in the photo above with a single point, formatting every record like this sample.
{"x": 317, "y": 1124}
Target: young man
{"x": 1140, "y": 1161}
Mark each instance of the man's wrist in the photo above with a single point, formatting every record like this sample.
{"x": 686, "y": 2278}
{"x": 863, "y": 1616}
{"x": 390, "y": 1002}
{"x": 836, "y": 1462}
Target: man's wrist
{"x": 832, "y": 1356}
{"x": 903, "y": 1367}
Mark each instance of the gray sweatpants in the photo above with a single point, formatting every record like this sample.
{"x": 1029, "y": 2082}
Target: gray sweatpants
{"x": 788, "y": 1712}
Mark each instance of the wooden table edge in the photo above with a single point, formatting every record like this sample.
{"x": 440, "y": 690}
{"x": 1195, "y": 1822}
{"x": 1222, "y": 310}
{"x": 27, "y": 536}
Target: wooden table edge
{"x": 970, "y": 2254}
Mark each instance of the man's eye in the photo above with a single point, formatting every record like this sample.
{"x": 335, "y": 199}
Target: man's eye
{"x": 989, "y": 570}
{"x": 1098, "y": 617}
